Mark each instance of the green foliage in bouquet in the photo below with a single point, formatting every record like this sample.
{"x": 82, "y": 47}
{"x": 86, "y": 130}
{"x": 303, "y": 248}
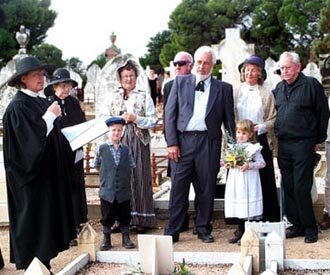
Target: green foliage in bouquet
{"x": 236, "y": 154}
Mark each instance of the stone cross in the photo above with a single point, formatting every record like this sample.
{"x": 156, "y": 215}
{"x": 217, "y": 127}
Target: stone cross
{"x": 232, "y": 51}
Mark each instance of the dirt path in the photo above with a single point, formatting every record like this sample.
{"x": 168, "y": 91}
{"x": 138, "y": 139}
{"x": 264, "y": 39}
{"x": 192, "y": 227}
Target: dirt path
{"x": 294, "y": 248}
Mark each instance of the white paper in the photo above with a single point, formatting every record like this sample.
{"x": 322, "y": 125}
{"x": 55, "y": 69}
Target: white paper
{"x": 82, "y": 133}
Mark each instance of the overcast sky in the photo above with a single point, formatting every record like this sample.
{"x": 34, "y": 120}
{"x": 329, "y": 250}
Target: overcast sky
{"x": 82, "y": 28}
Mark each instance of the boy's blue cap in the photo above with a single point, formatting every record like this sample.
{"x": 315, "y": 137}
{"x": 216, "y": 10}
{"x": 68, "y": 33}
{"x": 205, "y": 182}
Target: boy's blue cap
{"x": 115, "y": 120}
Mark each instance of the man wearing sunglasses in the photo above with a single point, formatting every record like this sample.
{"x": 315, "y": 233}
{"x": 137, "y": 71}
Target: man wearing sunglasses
{"x": 183, "y": 63}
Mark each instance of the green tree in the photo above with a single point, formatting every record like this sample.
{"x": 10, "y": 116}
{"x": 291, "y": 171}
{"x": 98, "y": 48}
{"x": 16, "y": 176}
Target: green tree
{"x": 322, "y": 44}
{"x": 152, "y": 58}
{"x": 273, "y": 26}
{"x": 195, "y": 23}
{"x": 75, "y": 64}
{"x": 267, "y": 32}
{"x": 33, "y": 14}
{"x": 301, "y": 19}
{"x": 49, "y": 54}
{"x": 100, "y": 61}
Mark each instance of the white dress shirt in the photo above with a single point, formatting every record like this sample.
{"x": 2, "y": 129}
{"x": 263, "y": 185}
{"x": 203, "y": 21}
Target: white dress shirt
{"x": 197, "y": 121}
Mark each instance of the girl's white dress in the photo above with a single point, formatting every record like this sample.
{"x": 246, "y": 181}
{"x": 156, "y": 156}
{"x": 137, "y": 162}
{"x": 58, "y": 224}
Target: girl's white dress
{"x": 243, "y": 195}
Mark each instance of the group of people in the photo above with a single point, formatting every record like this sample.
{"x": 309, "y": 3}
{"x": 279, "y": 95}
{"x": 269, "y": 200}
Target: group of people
{"x": 295, "y": 113}
{"x": 45, "y": 181}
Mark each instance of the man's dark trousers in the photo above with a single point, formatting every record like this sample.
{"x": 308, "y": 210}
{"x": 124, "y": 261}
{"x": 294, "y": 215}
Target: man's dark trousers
{"x": 295, "y": 159}
{"x": 198, "y": 159}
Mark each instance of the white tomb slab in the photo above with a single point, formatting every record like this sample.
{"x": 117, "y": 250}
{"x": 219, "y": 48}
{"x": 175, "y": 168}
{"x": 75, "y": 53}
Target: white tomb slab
{"x": 156, "y": 254}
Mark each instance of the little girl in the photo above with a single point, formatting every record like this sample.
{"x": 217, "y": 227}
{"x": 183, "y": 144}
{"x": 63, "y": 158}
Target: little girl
{"x": 243, "y": 195}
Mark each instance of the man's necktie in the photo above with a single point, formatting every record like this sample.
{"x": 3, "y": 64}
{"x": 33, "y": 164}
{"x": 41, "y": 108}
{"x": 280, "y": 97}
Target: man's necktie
{"x": 200, "y": 86}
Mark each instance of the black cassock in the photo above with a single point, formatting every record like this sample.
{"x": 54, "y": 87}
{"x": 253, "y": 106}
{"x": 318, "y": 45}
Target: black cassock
{"x": 72, "y": 114}
{"x": 38, "y": 184}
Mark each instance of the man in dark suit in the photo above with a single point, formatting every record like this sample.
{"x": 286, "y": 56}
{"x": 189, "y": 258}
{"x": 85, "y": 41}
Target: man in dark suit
{"x": 196, "y": 108}
{"x": 183, "y": 63}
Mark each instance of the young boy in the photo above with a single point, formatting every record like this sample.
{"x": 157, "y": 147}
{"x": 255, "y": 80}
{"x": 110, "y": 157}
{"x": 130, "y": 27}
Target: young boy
{"x": 114, "y": 163}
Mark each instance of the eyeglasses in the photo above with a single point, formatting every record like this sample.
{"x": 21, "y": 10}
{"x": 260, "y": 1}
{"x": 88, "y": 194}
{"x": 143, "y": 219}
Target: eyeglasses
{"x": 180, "y": 63}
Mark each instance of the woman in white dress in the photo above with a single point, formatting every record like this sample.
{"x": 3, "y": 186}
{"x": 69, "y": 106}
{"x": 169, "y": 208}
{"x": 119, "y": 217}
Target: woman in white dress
{"x": 243, "y": 195}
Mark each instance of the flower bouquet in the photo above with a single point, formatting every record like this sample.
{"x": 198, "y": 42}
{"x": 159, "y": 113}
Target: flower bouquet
{"x": 236, "y": 154}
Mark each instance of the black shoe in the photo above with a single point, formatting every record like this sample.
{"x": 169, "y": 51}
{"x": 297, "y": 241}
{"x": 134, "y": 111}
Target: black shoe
{"x": 206, "y": 238}
{"x": 311, "y": 239}
{"x": 293, "y": 232}
{"x": 175, "y": 237}
{"x": 106, "y": 244}
{"x": 73, "y": 243}
{"x": 236, "y": 236}
{"x": 126, "y": 241}
{"x": 311, "y": 235}
{"x": 194, "y": 231}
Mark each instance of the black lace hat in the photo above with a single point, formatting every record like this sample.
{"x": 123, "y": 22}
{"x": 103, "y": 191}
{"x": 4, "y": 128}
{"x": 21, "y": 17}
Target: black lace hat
{"x": 61, "y": 75}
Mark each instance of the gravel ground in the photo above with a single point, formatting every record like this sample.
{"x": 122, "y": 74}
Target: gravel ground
{"x": 188, "y": 242}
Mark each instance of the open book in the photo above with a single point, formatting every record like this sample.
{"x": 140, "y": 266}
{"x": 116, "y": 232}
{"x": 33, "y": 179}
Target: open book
{"x": 80, "y": 134}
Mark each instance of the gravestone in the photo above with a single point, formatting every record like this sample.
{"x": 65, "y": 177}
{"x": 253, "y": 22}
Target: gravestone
{"x": 250, "y": 247}
{"x": 156, "y": 254}
{"x": 274, "y": 250}
{"x": 89, "y": 90}
{"x": 313, "y": 70}
{"x": 232, "y": 51}
{"x": 107, "y": 82}
{"x": 36, "y": 267}
{"x": 88, "y": 241}
{"x": 272, "y": 77}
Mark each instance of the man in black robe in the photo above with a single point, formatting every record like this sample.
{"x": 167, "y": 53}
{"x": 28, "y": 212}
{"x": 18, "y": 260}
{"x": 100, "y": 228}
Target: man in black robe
{"x": 41, "y": 222}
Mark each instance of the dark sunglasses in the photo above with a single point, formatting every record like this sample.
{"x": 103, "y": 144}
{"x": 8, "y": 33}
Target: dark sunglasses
{"x": 180, "y": 63}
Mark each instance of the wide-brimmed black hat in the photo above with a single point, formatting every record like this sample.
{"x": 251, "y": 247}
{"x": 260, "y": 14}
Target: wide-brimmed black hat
{"x": 62, "y": 75}
{"x": 255, "y": 60}
{"x": 26, "y": 65}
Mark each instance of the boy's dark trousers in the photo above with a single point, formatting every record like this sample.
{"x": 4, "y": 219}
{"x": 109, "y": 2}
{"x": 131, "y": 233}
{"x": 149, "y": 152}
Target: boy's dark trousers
{"x": 112, "y": 212}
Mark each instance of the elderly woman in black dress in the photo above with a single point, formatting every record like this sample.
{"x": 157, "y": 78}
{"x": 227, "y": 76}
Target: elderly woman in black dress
{"x": 59, "y": 90}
